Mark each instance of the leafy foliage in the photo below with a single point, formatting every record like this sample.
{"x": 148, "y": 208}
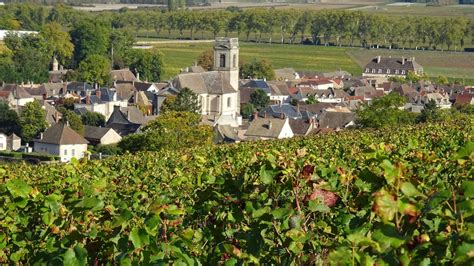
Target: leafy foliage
{"x": 90, "y": 38}
{"x": 9, "y": 122}
{"x": 260, "y": 69}
{"x": 147, "y": 63}
{"x": 95, "y": 69}
{"x": 172, "y": 130}
{"x": 32, "y": 121}
{"x": 400, "y": 196}
{"x": 259, "y": 99}
{"x": 93, "y": 119}
{"x": 185, "y": 101}
{"x": 206, "y": 60}
{"x": 74, "y": 121}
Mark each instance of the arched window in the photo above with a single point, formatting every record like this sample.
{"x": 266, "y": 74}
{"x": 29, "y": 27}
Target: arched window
{"x": 222, "y": 60}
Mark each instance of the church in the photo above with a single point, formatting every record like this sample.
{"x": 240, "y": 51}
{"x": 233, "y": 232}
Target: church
{"x": 218, "y": 90}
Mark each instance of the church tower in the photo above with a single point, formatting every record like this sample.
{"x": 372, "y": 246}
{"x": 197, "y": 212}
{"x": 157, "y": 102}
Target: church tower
{"x": 226, "y": 59}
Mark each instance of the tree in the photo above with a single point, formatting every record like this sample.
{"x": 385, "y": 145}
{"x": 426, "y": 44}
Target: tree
{"x": 9, "y": 122}
{"x": 121, "y": 43}
{"x": 95, "y": 69}
{"x": 429, "y": 113}
{"x": 259, "y": 99}
{"x": 170, "y": 131}
{"x": 147, "y": 63}
{"x": 384, "y": 112}
{"x": 58, "y": 42}
{"x": 442, "y": 80}
{"x": 93, "y": 119}
{"x": 74, "y": 121}
{"x": 206, "y": 60}
{"x": 311, "y": 99}
{"x": 258, "y": 69}
{"x": 32, "y": 121}
{"x": 247, "y": 110}
{"x": 90, "y": 38}
{"x": 185, "y": 101}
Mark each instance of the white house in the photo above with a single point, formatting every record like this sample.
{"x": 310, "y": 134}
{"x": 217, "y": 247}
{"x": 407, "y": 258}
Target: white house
{"x": 101, "y": 135}
{"x": 3, "y": 142}
{"x": 269, "y": 128}
{"x": 61, "y": 140}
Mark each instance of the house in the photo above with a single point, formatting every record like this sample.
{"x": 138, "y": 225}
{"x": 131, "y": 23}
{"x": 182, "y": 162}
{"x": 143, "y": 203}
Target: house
{"x": 122, "y": 122}
{"x": 302, "y": 127}
{"x": 3, "y": 142}
{"x": 442, "y": 100}
{"x": 336, "y": 120}
{"x": 279, "y": 92}
{"x": 316, "y": 84}
{"x": 61, "y": 140}
{"x": 465, "y": 98}
{"x": 218, "y": 90}
{"x": 101, "y": 135}
{"x": 123, "y": 75}
{"x": 269, "y": 128}
{"x": 161, "y": 96}
{"x": 226, "y": 134}
{"x": 280, "y": 111}
{"x": 379, "y": 69}
{"x": 19, "y": 96}
{"x": 324, "y": 96}
{"x": 285, "y": 74}
{"x": 101, "y": 101}
{"x": 13, "y": 142}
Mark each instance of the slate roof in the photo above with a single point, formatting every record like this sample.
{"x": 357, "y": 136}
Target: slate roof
{"x": 227, "y": 133}
{"x": 316, "y": 108}
{"x": 285, "y": 74}
{"x": 258, "y": 84}
{"x": 79, "y": 86}
{"x": 265, "y": 127}
{"x": 119, "y": 121}
{"x": 61, "y": 134}
{"x": 125, "y": 90}
{"x": 245, "y": 94}
{"x": 335, "y": 119}
{"x": 17, "y": 91}
{"x": 211, "y": 82}
{"x": 279, "y": 88}
{"x": 281, "y": 111}
{"x": 392, "y": 64}
{"x": 300, "y": 127}
{"x": 94, "y": 134}
{"x": 122, "y": 75}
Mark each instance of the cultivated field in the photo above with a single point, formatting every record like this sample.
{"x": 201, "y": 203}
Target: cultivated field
{"x": 300, "y": 57}
{"x": 404, "y": 9}
{"x": 323, "y": 59}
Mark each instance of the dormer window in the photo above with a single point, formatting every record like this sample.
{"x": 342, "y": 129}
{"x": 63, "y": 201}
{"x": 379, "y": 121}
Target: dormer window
{"x": 373, "y": 70}
{"x": 380, "y": 71}
{"x": 403, "y": 72}
{"x": 396, "y": 71}
{"x": 388, "y": 71}
{"x": 367, "y": 70}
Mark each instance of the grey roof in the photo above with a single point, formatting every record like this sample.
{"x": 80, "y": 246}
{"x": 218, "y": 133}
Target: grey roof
{"x": 339, "y": 73}
{"x": 300, "y": 127}
{"x": 265, "y": 127}
{"x": 278, "y": 88}
{"x": 122, "y": 75}
{"x": 335, "y": 119}
{"x": 245, "y": 94}
{"x": 61, "y": 134}
{"x": 119, "y": 121}
{"x": 285, "y": 74}
{"x": 392, "y": 64}
{"x": 125, "y": 90}
{"x": 281, "y": 111}
{"x": 95, "y": 133}
{"x": 227, "y": 133}
{"x": 315, "y": 108}
{"x": 212, "y": 82}
{"x": 18, "y": 91}
{"x": 79, "y": 86}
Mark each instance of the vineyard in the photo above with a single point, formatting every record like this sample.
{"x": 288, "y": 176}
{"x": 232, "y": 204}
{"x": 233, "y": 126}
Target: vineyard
{"x": 400, "y": 196}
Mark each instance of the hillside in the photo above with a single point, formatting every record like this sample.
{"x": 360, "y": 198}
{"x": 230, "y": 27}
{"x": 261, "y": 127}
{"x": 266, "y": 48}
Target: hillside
{"x": 400, "y": 196}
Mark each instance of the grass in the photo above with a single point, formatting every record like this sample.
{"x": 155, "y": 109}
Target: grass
{"x": 300, "y": 57}
{"x": 459, "y": 66}
{"x": 421, "y": 10}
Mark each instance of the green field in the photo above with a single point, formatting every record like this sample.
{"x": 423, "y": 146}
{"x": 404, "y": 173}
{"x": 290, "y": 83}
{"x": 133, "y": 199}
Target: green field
{"x": 323, "y": 59}
{"x": 420, "y": 10}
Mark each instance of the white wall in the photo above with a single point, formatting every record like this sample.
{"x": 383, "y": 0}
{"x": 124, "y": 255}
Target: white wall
{"x": 110, "y": 138}
{"x": 231, "y": 98}
{"x": 286, "y": 131}
{"x": 24, "y": 101}
{"x": 72, "y": 151}
{"x": 3, "y": 142}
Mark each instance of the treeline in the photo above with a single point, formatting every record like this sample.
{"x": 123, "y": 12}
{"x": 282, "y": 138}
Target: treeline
{"x": 329, "y": 27}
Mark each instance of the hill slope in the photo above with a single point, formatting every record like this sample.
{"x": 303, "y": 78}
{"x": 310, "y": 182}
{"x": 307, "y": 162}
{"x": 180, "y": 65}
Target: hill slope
{"x": 398, "y": 196}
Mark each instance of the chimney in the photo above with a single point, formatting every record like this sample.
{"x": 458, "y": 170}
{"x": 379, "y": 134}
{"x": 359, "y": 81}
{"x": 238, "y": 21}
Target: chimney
{"x": 138, "y": 76}
{"x": 378, "y": 59}
{"x": 88, "y": 99}
{"x": 403, "y": 60}
{"x": 265, "y": 114}
{"x": 269, "y": 125}
{"x": 41, "y": 136}
{"x": 255, "y": 115}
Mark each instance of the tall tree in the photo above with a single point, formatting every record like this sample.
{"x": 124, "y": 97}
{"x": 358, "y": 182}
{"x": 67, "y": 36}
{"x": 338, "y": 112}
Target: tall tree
{"x": 95, "y": 69}
{"x": 259, "y": 99}
{"x": 58, "y": 42}
{"x": 206, "y": 60}
{"x": 260, "y": 69}
{"x": 93, "y": 119}
{"x": 147, "y": 63}
{"x": 74, "y": 121}
{"x": 185, "y": 101}
{"x": 9, "y": 122}
{"x": 90, "y": 38}
{"x": 32, "y": 121}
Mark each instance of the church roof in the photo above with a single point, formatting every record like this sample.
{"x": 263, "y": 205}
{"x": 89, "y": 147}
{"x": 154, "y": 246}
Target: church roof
{"x": 212, "y": 82}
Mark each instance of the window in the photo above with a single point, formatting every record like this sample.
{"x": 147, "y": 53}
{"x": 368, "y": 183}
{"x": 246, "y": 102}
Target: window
{"x": 234, "y": 60}
{"x": 367, "y": 70}
{"x": 229, "y": 103}
{"x": 380, "y": 71}
{"x": 1, "y": 145}
{"x": 403, "y": 72}
{"x": 222, "y": 60}
{"x": 388, "y": 71}
{"x": 65, "y": 152}
{"x": 73, "y": 152}
{"x": 396, "y": 71}
{"x": 373, "y": 70}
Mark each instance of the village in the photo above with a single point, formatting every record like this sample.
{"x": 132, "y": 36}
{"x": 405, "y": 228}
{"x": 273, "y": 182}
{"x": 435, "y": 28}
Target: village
{"x": 293, "y": 104}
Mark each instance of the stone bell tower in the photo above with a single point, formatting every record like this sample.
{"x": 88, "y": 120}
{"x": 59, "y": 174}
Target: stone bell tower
{"x": 226, "y": 59}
